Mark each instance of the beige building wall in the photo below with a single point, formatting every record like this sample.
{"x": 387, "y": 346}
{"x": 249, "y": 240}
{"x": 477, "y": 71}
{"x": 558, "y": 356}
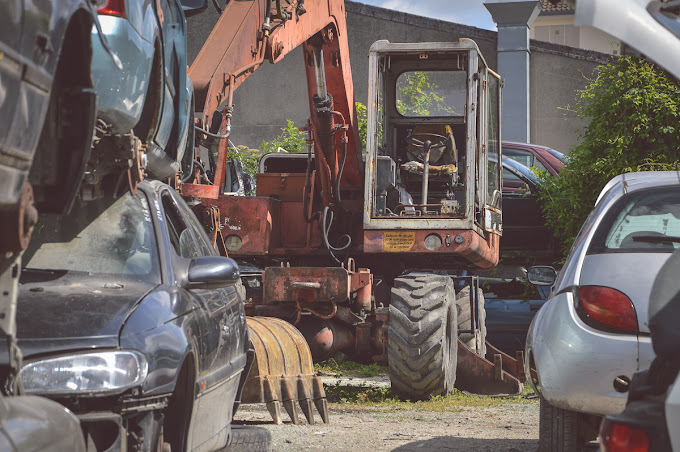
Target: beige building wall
{"x": 560, "y": 29}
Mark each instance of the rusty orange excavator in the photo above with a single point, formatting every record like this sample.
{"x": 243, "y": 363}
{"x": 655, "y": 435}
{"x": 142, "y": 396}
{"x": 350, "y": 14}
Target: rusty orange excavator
{"x": 368, "y": 253}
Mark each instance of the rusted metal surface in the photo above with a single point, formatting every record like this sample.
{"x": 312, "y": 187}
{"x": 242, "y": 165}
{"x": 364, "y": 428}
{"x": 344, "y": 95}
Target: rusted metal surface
{"x": 513, "y": 366}
{"x": 331, "y": 284}
{"x": 478, "y": 375}
{"x": 17, "y": 223}
{"x": 328, "y": 337}
{"x": 252, "y": 219}
{"x": 466, "y": 243}
{"x": 283, "y": 373}
{"x": 223, "y": 64}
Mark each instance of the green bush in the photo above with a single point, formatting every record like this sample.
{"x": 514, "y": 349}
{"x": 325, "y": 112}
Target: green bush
{"x": 633, "y": 109}
{"x": 292, "y": 140}
{"x": 249, "y": 158}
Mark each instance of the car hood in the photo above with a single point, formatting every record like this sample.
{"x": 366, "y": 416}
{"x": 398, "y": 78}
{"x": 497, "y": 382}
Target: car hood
{"x": 631, "y": 273}
{"x": 73, "y": 310}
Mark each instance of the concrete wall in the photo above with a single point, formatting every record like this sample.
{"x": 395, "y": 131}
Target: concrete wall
{"x": 557, "y": 74}
{"x": 275, "y": 93}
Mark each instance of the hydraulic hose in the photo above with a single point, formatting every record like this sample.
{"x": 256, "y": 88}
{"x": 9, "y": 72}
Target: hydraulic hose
{"x": 342, "y": 166}
{"x": 326, "y": 229}
{"x": 305, "y": 199}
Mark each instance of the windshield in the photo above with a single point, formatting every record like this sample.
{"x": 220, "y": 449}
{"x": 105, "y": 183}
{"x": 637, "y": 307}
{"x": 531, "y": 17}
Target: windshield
{"x": 644, "y": 221}
{"x": 106, "y": 236}
{"x": 432, "y": 93}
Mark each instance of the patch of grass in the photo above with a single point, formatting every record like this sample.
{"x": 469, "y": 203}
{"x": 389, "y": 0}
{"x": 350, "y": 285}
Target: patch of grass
{"x": 349, "y": 369}
{"x": 367, "y": 397}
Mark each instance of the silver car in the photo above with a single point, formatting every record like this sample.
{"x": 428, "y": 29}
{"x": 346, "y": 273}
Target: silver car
{"x": 593, "y": 333}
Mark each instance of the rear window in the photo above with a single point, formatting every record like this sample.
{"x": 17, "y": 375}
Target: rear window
{"x": 644, "y": 221}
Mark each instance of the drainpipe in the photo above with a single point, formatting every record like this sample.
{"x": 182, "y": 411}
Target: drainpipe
{"x": 514, "y": 19}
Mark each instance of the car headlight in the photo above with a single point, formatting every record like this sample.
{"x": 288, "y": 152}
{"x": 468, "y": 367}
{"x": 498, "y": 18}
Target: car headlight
{"x": 101, "y": 372}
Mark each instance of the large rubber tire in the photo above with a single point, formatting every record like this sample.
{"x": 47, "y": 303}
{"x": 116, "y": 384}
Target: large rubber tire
{"x": 246, "y": 438}
{"x": 560, "y": 430}
{"x": 476, "y": 341}
{"x": 422, "y": 336}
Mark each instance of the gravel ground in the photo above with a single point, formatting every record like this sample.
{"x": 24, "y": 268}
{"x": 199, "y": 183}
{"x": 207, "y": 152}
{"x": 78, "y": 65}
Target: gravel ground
{"x": 510, "y": 428}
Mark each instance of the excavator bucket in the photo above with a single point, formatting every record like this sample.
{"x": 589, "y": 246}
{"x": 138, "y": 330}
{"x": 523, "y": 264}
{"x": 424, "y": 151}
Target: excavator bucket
{"x": 495, "y": 376}
{"x": 282, "y": 372}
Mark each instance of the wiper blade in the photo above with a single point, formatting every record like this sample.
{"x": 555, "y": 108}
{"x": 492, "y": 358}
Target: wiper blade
{"x": 656, "y": 238}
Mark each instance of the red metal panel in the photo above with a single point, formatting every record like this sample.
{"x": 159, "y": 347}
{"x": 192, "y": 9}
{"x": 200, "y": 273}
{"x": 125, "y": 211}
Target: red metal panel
{"x": 283, "y": 186}
{"x": 250, "y": 218}
{"x": 309, "y": 284}
{"x": 470, "y": 245}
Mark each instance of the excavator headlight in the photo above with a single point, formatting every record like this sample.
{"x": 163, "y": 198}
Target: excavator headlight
{"x": 233, "y": 243}
{"x": 433, "y": 242}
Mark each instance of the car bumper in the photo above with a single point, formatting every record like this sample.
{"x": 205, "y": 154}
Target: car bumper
{"x": 121, "y": 93}
{"x": 577, "y": 364}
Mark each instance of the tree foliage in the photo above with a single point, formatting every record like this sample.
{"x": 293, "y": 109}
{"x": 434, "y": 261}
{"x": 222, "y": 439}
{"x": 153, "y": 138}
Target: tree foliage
{"x": 418, "y": 95}
{"x": 633, "y": 109}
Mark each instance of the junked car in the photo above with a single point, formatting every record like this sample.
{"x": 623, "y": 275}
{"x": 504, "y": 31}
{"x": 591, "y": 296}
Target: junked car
{"x": 46, "y": 52}
{"x": 593, "y": 332}
{"x": 128, "y": 317}
{"x": 145, "y": 110}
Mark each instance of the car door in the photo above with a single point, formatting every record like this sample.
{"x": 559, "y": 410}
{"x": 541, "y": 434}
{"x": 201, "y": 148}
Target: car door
{"x": 219, "y": 381}
{"x": 234, "y": 328}
{"x": 209, "y": 314}
{"x": 524, "y": 228}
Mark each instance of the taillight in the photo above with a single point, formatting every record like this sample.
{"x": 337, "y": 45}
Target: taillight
{"x": 113, "y": 8}
{"x": 615, "y": 437}
{"x": 608, "y": 307}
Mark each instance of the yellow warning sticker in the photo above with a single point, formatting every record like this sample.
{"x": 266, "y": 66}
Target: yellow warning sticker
{"x": 398, "y": 241}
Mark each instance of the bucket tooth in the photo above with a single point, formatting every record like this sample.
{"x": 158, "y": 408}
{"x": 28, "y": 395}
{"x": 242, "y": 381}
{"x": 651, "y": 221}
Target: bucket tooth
{"x": 289, "y": 396}
{"x": 304, "y": 395}
{"x": 320, "y": 399}
{"x": 274, "y": 408}
{"x": 306, "y": 406}
{"x": 282, "y": 371}
{"x": 291, "y": 409}
{"x": 322, "y": 408}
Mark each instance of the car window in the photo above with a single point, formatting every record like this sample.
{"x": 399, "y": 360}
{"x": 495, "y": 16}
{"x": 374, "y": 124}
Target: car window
{"x": 105, "y": 236}
{"x": 432, "y": 93}
{"x": 524, "y": 157}
{"x": 644, "y": 221}
{"x": 508, "y": 176}
{"x": 178, "y": 231}
{"x": 195, "y": 225}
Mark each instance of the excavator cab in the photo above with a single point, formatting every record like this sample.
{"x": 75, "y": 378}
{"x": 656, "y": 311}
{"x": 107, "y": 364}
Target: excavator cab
{"x": 433, "y": 146}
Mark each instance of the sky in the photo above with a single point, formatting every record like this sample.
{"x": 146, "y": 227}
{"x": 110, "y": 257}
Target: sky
{"x": 466, "y": 12}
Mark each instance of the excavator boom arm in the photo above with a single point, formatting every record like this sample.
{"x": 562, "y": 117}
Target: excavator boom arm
{"x": 250, "y": 32}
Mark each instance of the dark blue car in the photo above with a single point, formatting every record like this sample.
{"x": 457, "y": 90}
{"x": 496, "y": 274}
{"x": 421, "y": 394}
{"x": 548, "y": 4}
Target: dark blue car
{"x": 129, "y": 317}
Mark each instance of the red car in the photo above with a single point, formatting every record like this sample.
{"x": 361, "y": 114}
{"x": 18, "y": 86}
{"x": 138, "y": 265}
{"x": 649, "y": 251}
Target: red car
{"x": 530, "y": 155}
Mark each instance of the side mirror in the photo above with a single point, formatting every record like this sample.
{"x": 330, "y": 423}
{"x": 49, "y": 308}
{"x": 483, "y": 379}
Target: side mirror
{"x": 193, "y": 7}
{"x": 542, "y": 275}
{"x": 212, "y": 272}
